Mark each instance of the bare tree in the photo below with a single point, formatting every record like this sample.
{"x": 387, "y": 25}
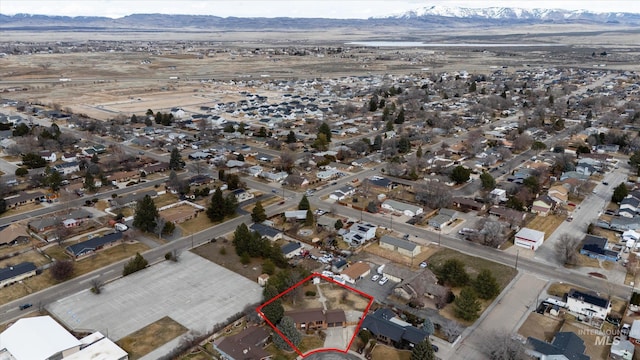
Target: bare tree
{"x": 96, "y": 286}
{"x": 567, "y": 249}
{"x": 491, "y": 233}
{"x": 522, "y": 142}
{"x": 451, "y": 330}
{"x": 503, "y": 346}
{"x": 435, "y": 195}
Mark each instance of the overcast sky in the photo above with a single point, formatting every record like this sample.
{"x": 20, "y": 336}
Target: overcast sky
{"x": 345, "y": 9}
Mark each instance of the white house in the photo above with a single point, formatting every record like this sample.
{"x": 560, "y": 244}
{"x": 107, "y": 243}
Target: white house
{"x": 405, "y": 209}
{"x": 631, "y": 238}
{"x": 242, "y": 195}
{"x": 67, "y": 168}
{"x": 359, "y": 233}
{"x": 327, "y": 174}
{"x": 355, "y": 271}
{"x": 588, "y": 304}
{"x": 342, "y": 193}
{"x": 50, "y": 156}
{"x": 296, "y": 214}
{"x": 498, "y": 195}
{"x": 69, "y": 157}
{"x": 529, "y": 238}
{"x": 291, "y": 250}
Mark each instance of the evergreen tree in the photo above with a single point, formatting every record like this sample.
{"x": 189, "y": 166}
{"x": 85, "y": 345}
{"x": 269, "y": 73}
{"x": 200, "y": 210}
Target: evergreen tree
{"x": 453, "y": 273}
{"x": 377, "y": 142}
{"x": 419, "y": 152}
{"x": 146, "y": 214}
{"x": 176, "y": 162}
{"x": 488, "y": 182}
{"x": 486, "y": 285}
{"x": 137, "y": 263}
{"x": 262, "y": 132}
{"x": 215, "y": 211}
{"x": 423, "y": 351}
{"x": 324, "y": 129}
{"x": 321, "y": 142}
{"x": 389, "y": 126}
{"x": 308, "y": 221}
{"x": 134, "y": 119}
{"x": 242, "y": 239}
{"x": 460, "y": 174}
{"x": 400, "y": 117}
{"x": 274, "y": 311}
{"x": 149, "y": 112}
{"x": 291, "y": 138}
{"x": 230, "y": 205}
{"x": 619, "y": 193}
{"x": 473, "y": 87}
{"x": 404, "y": 145}
{"x": 3, "y": 206}
{"x": 338, "y": 225}
{"x": 89, "y": 182}
{"x": 288, "y": 329}
{"x": 95, "y": 159}
{"x": 258, "y": 214}
{"x": 53, "y": 179}
{"x": 466, "y": 305}
{"x": 304, "y": 203}
{"x": 373, "y": 104}
{"x": 428, "y": 327}
{"x": 386, "y": 114}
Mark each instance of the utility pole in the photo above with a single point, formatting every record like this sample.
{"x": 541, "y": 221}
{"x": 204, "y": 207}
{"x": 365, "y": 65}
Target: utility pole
{"x": 439, "y": 235}
{"x": 192, "y": 241}
{"x": 517, "y": 255}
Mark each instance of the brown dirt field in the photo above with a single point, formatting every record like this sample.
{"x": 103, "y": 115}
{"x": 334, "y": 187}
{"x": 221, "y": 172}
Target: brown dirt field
{"x": 8, "y": 250}
{"x": 548, "y": 224}
{"x": 22, "y": 209}
{"x": 540, "y": 327}
{"x": 560, "y": 289}
{"x": 165, "y": 199}
{"x": 334, "y": 294}
{"x": 231, "y": 261}
{"x": 427, "y": 251}
{"x": 151, "y": 337}
{"x": 196, "y": 224}
{"x": 31, "y": 256}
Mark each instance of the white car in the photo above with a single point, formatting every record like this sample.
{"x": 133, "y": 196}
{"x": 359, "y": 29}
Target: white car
{"x": 383, "y": 280}
{"x": 375, "y": 277}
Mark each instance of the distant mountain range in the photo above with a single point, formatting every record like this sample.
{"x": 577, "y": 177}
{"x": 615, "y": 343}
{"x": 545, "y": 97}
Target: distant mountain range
{"x": 519, "y": 14}
{"x": 438, "y": 16}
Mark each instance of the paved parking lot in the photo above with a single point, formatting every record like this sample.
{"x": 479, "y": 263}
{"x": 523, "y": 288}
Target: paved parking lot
{"x": 194, "y": 292}
{"x": 379, "y": 292}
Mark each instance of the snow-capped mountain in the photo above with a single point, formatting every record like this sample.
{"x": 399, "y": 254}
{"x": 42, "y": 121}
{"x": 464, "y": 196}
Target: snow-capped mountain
{"x": 517, "y": 14}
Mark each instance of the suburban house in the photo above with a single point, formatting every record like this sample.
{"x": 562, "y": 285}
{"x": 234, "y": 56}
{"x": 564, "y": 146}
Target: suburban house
{"x": 388, "y": 329}
{"x": 92, "y": 245}
{"x": 343, "y": 193}
{"x": 622, "y": 349}
{"x": 248, "y": 344}
{"x": 621, "y": 223}
{"x": 130, "y": 199}
{"x": 12, "y": 274}
{"x": 67, "y": 168}
{"x": 242, "y": 195}
{"x": 559, "y": 194}
{"x": 629, "y": 206}
{"x": 466, "y": 204}
{"x": 266, "y": 231}
{"x": 566, "y": 345}
{"x": 155, "y": 168}
{"x": 529, "y": 238}
{"x": 543, "y": 205}
{"x": 49, "y": 340}
{"x": 507, "y": 214}
{"x": 634, "y": 332}
{"x": 48, "y": 223}
{"x": 295, "y": 214}
{"x": 379, "y": 183}
{"x": 49, "y": 156}
{"x": 24, "y": 198}
{"x": 14, "y": 233}
{"x": 327, "y": 174}
{"x": 69, "y": 157}
{"x": 498, "y": 195}
{"x": 597, "y": 247}
{"x": 291, "y": 250}
{"x": 359, "y": 233}
{"x": 631, "y": 238}
{"x": 404, "y": 247}
{"x": 254, "y": 170}
{"x": 355, "y": 272}
{"x": 406, "y": 209}
{"x": 444, "y": 217}
{"x": 311, "y": 319}
{"x": 274, "y": 177}
{"x": 588, "y": 304}
{"x": 124, "y": 176}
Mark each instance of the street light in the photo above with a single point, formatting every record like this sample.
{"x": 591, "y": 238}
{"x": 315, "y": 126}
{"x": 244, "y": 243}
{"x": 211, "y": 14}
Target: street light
{"x": 439, "y": 234}
{"x": 517, "y": 255}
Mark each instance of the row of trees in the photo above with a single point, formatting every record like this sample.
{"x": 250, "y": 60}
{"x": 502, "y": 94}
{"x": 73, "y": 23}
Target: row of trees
{"x": 250, "y": 244}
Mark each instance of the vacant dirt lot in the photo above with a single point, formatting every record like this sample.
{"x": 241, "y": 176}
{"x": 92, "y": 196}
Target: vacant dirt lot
{"x": 540, "y": 327}
{"x": 150, "y": 337}
{"x": 547, "y": 224}
{"x": 224, "y": 254}
{"x": 427, "y": 251}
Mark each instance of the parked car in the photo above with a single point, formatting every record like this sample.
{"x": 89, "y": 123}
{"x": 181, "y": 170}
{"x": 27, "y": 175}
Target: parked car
{"x": 25, "y": 306}
{"x": 375, "y": 277}
{"x": 423, "y": 264}
{"x": 625, "y": 329}
{"x": 435, "y": 348}
{"x": 570, "y": 219}
{"x": 383, "y": 280}
{"x": 605, "y": 183}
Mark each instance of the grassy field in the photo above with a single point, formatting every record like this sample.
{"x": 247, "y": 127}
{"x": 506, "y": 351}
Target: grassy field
{"x": 389, "y": 353}
{"x": 151, "y": 337}
{"x": 22, "y": 209}
{"x": 309, "y": 343}
{"x": 548, "y": 224}
{"x": 30, "y": 256}
{"x": 503, "y": 274}
{"x": 196, "y": 224}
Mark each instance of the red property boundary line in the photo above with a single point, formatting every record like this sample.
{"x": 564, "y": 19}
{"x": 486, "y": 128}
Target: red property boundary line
{"x": 316, "y": 275}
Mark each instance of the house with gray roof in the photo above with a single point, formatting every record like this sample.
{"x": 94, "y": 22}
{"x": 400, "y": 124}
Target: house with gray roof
{"x": 266, "y": 231}
{"x": 566, "y": 345}
{"x": 404, "y": 208}
{"x": 94, "y": 244}
{"x": 130, "y": 199}
{"x": 404, "y": 247}
{"x": 391, "y": 330}
{"x": 444, "y": 217}
{"x": 15, "y": 273}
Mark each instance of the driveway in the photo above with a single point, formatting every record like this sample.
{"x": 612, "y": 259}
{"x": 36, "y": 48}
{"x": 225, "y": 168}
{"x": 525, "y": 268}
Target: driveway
{"x": 338, "y": 338}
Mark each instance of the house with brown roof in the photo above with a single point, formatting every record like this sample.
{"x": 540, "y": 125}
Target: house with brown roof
{"x": 154, "y": 168}
{"x": 248, "y": 344}
{"x": 13, "y": 234}
{"x": 543, "y": 205}
{"x": 123, "y": 176}
{"x": 311, "y": 319}
{"x": 355, "y": 272}
{"x": 24, "y": 198}
{"x": 558, "y": 193}
{"x": 466, "y": 204}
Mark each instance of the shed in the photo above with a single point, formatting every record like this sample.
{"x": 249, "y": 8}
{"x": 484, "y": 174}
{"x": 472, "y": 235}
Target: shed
{"x": 401, "y": 246}
{"x": 529, "y": 238}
